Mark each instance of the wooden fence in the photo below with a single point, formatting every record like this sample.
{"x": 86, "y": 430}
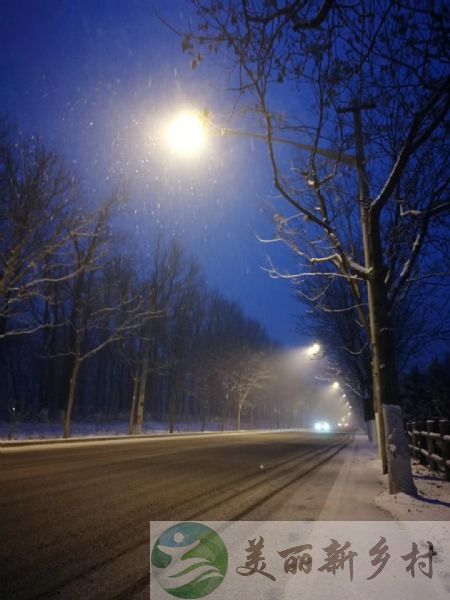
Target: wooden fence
{"x": 429, "y": 442}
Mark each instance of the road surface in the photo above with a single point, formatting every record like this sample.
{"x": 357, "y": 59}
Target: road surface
{"x": 74, "y": 520}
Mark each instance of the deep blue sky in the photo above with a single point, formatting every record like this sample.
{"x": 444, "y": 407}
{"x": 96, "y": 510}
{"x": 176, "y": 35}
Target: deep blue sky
{"x": 96, "y": 79}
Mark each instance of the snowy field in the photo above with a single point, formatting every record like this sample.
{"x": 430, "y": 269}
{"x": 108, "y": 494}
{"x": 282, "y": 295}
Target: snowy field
{"x": 27, "y": 430}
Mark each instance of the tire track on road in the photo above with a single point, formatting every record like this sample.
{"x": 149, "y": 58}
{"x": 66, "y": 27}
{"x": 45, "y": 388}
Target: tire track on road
{"x": 275, "y": 482}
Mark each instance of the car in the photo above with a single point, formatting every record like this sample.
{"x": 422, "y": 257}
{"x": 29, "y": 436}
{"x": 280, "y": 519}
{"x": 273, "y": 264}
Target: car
{"x": 322, "y": 426}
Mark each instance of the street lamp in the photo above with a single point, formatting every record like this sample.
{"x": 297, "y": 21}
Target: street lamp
{"x": 313, "y": 350}
{"x": 186, "y": 134}
{"x": 335, "y": 385}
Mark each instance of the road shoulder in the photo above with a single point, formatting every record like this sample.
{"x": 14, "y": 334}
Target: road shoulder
{"x": 356, "y": 486}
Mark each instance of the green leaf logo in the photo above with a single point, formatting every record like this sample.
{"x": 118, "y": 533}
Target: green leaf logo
{"x": 189, "y": 560}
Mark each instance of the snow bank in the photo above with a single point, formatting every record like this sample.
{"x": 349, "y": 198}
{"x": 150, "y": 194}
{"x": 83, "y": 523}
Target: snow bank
{"x": 432, "y": 502}
{"x": 361, "y": 492}
{"x": 36, "y": 431}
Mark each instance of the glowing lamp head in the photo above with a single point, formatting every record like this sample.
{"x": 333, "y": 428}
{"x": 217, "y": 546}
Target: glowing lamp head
{"x": 336, "y": 385}
{"x": 313, "y": 350}
{"x": 186, "y": 134}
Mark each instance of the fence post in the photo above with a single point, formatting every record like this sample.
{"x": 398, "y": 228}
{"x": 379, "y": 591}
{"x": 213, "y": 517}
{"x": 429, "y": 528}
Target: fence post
{"x": 444, "y": 429}
{"x": 414, "y": 441}
{"x": 430, "y": 444}
{"x": 421, "y": 426}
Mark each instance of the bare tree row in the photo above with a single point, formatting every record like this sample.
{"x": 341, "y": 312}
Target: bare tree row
{"x": 90, "y": 325}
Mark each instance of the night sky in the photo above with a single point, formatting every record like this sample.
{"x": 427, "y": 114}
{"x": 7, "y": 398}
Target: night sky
{"x": 97, "y": 81}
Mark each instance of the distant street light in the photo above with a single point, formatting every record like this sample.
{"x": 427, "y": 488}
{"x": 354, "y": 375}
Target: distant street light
{"x": 335, "y": 385}
{"x": 313, "y": 350}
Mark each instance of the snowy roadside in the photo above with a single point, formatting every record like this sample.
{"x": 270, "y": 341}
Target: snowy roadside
{"x": 360, "y": 491}
{"x": 431, "y": 504}
{"x": 23, "y": 443}
{"x": 36, "y": 431}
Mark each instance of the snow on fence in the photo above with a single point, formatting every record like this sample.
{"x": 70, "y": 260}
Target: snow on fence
{"x": 429, "y": 442}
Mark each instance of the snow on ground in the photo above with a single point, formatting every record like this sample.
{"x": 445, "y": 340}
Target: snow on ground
{"x": 32, "y": 430}
{"x": 355, "y": 485}
{"x": 431, "y": 504}
{"x": 360, "y": 491}
{"x": 360, "y": 484}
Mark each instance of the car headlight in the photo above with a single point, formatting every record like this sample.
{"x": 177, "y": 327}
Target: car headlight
{"x": 322, "y": 426}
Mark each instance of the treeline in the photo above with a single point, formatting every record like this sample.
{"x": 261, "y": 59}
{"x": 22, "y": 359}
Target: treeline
{"x": 91, "y": 325}
{"x": 426, "y": 393}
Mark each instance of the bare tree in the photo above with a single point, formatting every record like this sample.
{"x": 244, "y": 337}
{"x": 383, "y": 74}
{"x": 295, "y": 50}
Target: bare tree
{"x": 96, "y": 316}
{"x": 93, "y": 327}
{"x": 173, "y": 292}
{"x": 37, "y": 212}
{"x": 366, "y": 216}
{"x": 247, "y": 372}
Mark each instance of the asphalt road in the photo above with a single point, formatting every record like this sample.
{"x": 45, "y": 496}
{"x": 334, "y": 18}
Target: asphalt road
{"x": 74, "y": 520}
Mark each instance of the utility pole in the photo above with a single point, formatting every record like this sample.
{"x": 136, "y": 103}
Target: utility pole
{"x": 374, "y": 326}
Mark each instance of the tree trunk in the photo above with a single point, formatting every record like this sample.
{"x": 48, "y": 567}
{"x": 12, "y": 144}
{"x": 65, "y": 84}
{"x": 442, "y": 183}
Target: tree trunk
{"x": 384, "y": 372}
{"x": 203, "y": 418}
{"x": 172, "y": 408}
{"x": 44, "y": 366}
{"x": 238, "y": 416}
{"x": 53, "y": 385}
{"x": 95, "y": 404}
{"x": 4, "y": 309}
{"x": 367, "y": 406}
{"x": 133, "y": 404}
{"x": 370, "y": 229}
{"x": 142, "y": 390}
{"x": 395, "y": 445}
{"x": 397, "y": 450}
{"x": 384, "y": 368}
{"x": 224, "y": 413}
{"x": 72, "y": 391}
{"x": 371, "y": 430}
